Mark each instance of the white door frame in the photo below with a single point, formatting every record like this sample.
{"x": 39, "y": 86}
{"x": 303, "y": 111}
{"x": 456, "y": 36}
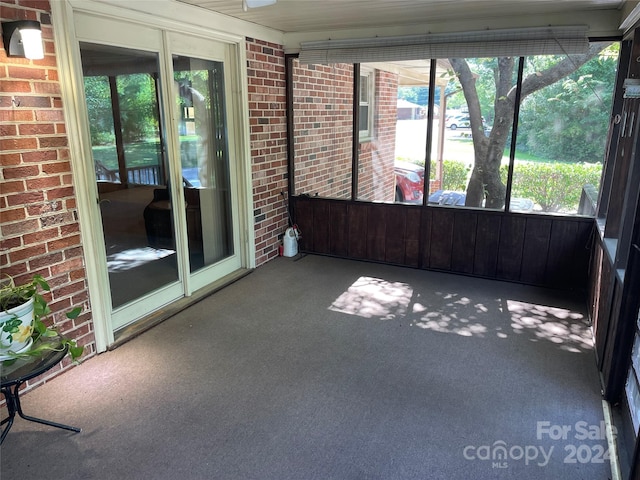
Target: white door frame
{"x": 74, "y": 105}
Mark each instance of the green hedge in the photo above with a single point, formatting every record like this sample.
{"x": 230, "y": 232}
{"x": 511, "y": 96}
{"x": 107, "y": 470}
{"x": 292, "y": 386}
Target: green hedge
{"x": 555, "y": 187}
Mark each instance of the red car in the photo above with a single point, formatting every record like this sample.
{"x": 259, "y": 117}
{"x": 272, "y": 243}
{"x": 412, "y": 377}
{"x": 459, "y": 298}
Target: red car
{"x": 409, "y": 182}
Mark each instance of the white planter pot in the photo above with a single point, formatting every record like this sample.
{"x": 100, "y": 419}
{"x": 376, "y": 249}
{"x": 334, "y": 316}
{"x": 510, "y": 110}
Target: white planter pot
{"x": 16, "y": 326}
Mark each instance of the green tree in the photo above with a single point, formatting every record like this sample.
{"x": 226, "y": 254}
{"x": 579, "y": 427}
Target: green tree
{"x": 559, "y": 122}
{"x": 485, "y": 183}
{"x": 98, "y": 97}
{"x": 138, "y": 106}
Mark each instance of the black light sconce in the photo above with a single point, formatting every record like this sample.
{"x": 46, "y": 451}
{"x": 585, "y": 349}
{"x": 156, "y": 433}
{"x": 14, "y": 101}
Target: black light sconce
{"x": 23, "y": 38}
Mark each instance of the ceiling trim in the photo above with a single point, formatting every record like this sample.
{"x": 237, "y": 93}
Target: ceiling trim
{"x": 178, "y": 16}
{"x": 600, "y": 23}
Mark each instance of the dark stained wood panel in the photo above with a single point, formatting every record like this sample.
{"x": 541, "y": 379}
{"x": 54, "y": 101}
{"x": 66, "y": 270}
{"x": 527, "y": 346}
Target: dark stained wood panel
{"x": 562, "y": 248}
{"x": 485, "y": 262}
{"x": 526, "y": 248}
{"x": 426, "y": 221}
{"x": 609, "y": 350}
{"x": 339, "y": 229}
{"x": 535, "y": 251}
{"x": 358, "y": 230}
{"x": 303, "y": 216}
{"x": 584, "y": 242}
{"x": 321, "y": 230}
{"x": 512, "y": 229}
{"x": 395, "y": 223}
{"x": 601, "y": 328}
{"x": 412, "y": 237}
{"x": 464, "y": 241}
{"x": 442, "y": 219}
{"x": 376, "y": 232}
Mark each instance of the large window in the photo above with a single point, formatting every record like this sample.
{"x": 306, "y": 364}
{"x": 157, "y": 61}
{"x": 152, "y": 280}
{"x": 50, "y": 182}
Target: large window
{"x": 560, "y": 104}
{"x": 366, "y": 105}
{"x": 323, "y": 129}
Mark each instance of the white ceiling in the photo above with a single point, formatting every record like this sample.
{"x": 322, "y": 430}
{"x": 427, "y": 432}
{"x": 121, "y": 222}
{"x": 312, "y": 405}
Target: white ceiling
{"x": 303, "y": 16}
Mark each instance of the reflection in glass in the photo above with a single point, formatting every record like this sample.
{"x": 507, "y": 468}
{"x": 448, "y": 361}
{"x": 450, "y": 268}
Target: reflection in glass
{"x": 562, "y": 133}
{"x": 121, "y": 89}
{"x": 199, "y": 86}
{"x": 323, "y": 129}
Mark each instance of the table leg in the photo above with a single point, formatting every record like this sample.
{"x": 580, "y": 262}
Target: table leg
{"x": 13, "y": 406}
{"x": 11, "y": 409}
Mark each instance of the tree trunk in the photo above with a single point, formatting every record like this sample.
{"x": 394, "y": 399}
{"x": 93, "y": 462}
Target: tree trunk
{"x": 485, "y": 185}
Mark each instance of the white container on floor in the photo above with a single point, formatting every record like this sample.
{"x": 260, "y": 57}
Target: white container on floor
{"x": 290, "y": 242}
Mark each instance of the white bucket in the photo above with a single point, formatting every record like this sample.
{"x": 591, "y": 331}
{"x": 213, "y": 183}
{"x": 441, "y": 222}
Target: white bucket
{"x": 290, "y": 242}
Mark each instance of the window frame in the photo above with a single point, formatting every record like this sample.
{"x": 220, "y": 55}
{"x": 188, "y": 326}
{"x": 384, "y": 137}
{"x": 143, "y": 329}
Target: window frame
{"x": 369, "y": 102}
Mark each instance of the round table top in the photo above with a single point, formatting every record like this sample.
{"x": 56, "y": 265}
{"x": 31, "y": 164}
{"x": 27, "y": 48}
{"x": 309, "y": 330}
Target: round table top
{"x": 23, "y": 369}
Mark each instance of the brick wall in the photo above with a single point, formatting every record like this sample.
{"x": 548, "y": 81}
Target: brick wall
{"x": 39, "y": 227}
{"x": 323, "y": 125}
{"x": 376, "y": 180}
{"x": 268, "y": 130}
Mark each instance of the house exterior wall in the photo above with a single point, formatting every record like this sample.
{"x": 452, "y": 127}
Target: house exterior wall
{"x": 268, "y": 131}
{"x": 323, "y": 125}
{"x": 376, "y": 180}
{"x": 39, "y": 220}
{"x": 39, "y": 225}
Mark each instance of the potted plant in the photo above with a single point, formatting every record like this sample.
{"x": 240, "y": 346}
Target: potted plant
{"x": 22, "y": 313}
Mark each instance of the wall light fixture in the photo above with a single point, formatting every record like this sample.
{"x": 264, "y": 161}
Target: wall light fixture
{"x": 23, "y": 38}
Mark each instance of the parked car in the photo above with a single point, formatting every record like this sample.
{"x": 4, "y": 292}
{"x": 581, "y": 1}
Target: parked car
{"x": 450, "y": 198}
{"x": 409, "y": 182}
{"x": 461, "y": 121}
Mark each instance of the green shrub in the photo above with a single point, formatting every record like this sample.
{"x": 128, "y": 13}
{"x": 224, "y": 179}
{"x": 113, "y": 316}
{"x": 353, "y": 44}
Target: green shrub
{"x": 455, "y": 175}
{"x": 556, "y": 187}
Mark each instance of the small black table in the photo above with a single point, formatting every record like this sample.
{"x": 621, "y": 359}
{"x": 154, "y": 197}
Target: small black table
{"x": 14, "y": 373}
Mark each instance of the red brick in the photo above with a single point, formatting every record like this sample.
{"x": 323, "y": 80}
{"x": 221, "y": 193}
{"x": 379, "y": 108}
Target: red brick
{"x": 13, "y": 215}
{"x": 39, "y": 156}
{"x": 15, "y": 186}
{"x": 64, "y": 243}
{"x": 42, "y": 183}
{"x": 49, "y": 116}
{"x": 36, "y": 4}
{"x": 41, "y": 236}
{"x": 69, "y": 229}
{"x": 26, "y": 198}
{"x": 49, "y": 142}
{"x": 28, "y": 252}
{"x": 21, "y": 172}
{"x": 10, "y": 243}
{"x": 15, "y": 86}
{"x": 37, "y": 128}
{"x": 56, "y": 167}
{"x": 47, "y": 61}
{"x": 56, "y": 219}
{"x": 7, "y": 144}
{"x": 16, "y": 116}
{"x": 8, "y": 130}
{"x": 27, "y": 73}
{"x": 46, "y": 87}
{"x": 33, "y": 102}
{"x": 57, "y": 193}
{"x": 8, "y": 159}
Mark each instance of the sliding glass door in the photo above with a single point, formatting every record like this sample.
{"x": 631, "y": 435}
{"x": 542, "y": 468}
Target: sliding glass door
{"x": 159, "y": 124}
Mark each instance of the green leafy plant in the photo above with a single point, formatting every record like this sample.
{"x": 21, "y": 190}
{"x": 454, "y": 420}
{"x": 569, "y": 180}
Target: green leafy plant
{"x": 12, "y": 295}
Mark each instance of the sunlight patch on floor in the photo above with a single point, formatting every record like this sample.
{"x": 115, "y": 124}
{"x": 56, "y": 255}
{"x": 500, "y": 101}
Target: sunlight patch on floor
{"x": 135, "y": 257}
{"x": 557, "y": 325}
{"x": 370, "y": 297}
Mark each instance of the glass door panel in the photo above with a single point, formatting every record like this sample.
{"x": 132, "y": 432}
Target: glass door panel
{"x": 204, "y": 159}
{"x": 122, "y": 91}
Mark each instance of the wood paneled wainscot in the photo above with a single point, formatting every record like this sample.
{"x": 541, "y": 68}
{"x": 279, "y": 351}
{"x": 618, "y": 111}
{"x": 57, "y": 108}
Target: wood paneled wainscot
{"x": 550, "y": 251}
